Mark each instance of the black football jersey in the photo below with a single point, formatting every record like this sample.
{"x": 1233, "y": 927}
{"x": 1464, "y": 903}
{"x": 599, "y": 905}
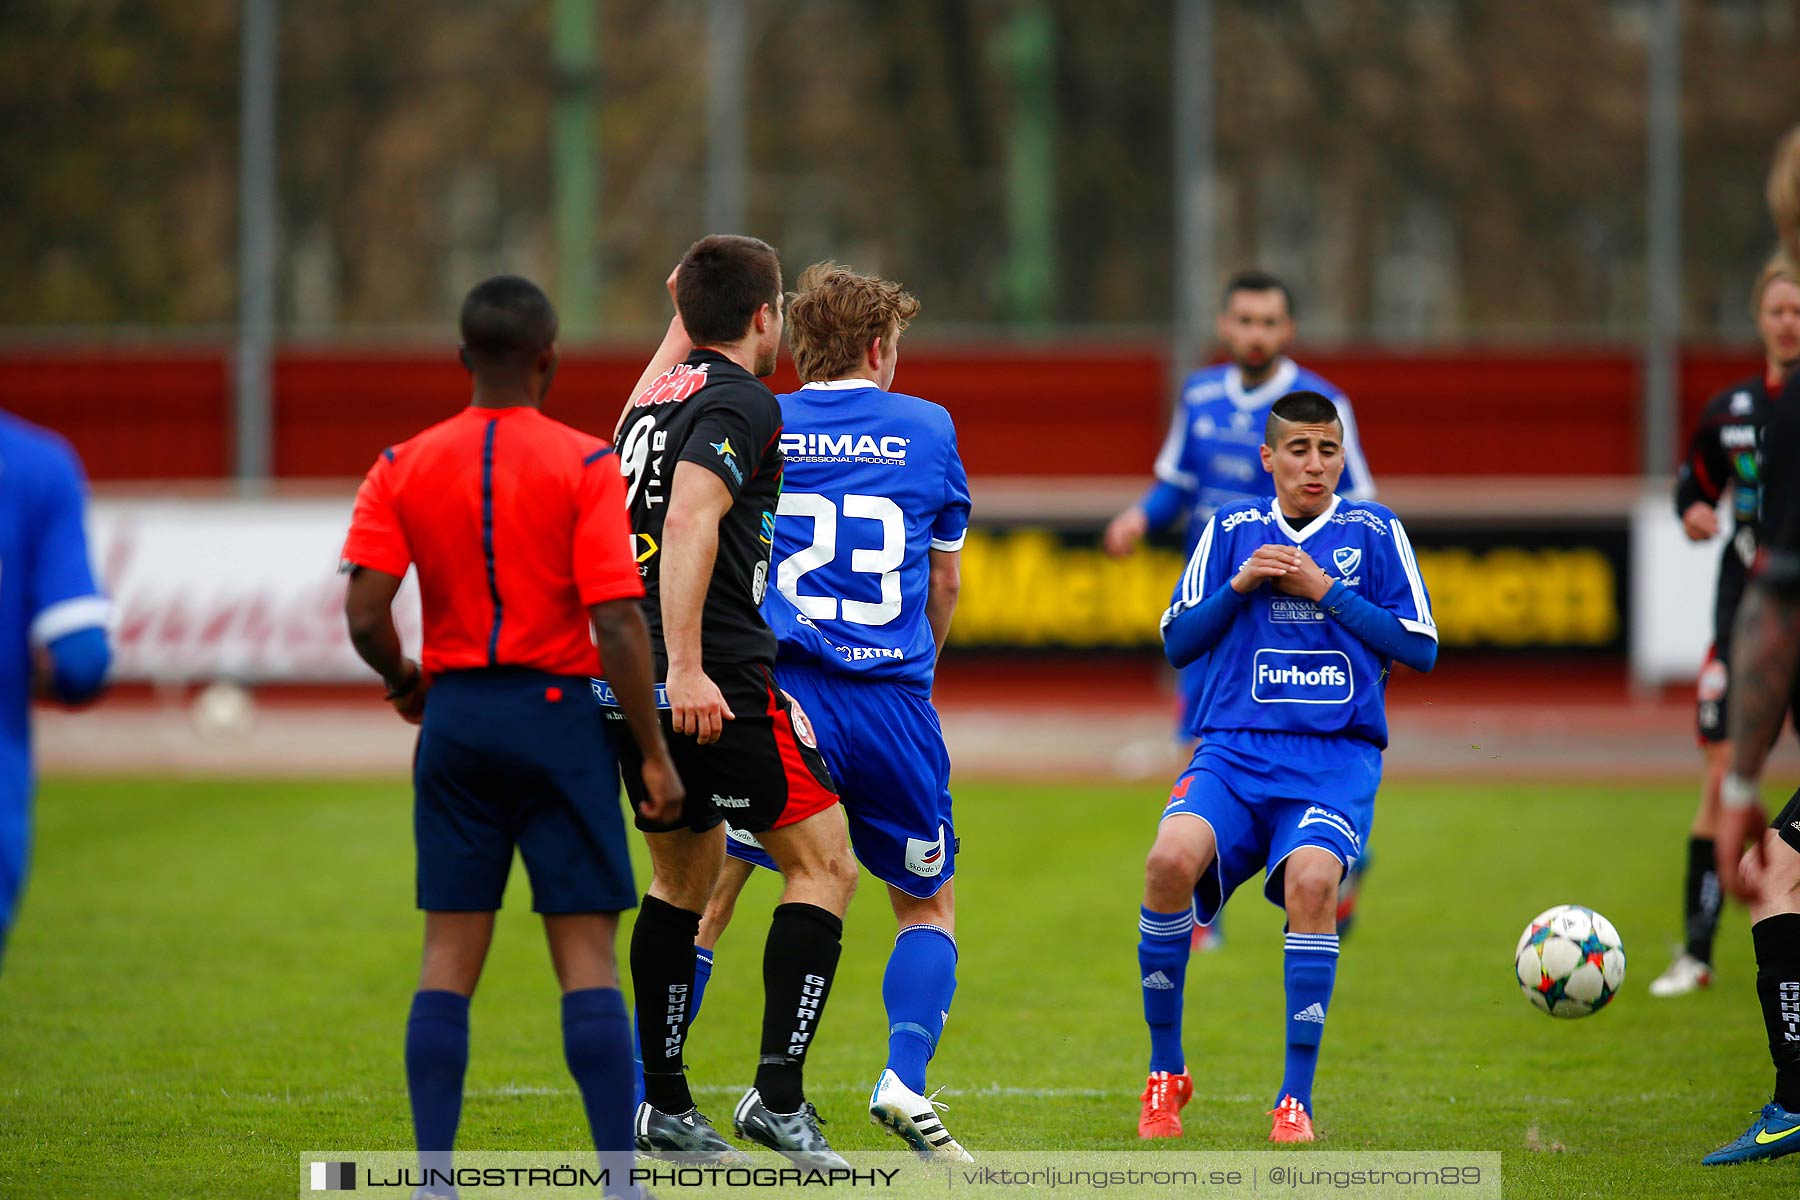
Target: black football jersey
{"x": 1726, "y": 451}
{"x": 712, "y": 412}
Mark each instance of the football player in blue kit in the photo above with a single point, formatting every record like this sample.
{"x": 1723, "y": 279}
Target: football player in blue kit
{"x": 1292, "y": 724}
{"x": 1211, "y": 456}
{"x": 54, "y": 617}
{"x": 867, "y": 542}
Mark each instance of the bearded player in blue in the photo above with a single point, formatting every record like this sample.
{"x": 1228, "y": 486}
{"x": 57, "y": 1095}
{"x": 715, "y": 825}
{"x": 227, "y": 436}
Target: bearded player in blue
{"x": 1296, "y": 610}
{"x": 867, "y": 547}
{"x": 52, "y": 616}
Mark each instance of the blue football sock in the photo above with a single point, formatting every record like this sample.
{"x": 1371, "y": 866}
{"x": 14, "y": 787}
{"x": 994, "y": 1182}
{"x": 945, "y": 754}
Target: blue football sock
{"x": 437, "y": 1054}
{"x": 920, "y": 979}
{"x": 1310, "y": 969}
{"x": 1164, "y": 942}
{"x": 597, "y": 1047}
{"x": 703, "y": 963}
{"x": 637, "y": 1065}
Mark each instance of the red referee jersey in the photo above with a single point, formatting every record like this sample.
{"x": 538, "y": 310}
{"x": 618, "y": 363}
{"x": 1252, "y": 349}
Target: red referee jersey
{"x": 516, "y": 523}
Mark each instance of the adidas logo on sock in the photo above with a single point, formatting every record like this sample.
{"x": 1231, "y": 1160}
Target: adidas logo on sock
{"x": 1312, "y": 1012}
{"x": 1157, "y": 981}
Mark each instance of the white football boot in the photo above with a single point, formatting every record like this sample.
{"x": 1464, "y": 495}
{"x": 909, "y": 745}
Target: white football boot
{"x": 914, "y": 1119}
{"x": 1686, "y": 974}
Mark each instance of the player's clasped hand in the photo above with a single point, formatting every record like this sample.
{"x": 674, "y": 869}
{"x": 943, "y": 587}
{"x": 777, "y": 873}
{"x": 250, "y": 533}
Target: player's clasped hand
{"x": 697, "y": 706}
{"x": 1305, "y": 578}
{"x": 1269, "y": 562}
{"x": 1290, "y": 568}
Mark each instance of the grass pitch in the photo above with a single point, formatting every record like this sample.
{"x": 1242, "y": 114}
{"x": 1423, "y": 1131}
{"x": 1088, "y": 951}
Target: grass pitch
{"x": 210, "y": 978}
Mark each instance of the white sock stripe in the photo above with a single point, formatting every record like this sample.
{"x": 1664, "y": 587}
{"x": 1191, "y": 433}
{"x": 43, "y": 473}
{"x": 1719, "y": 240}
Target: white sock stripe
{"x": 1330, "y": 947}
{"x": 1179, "y": 921}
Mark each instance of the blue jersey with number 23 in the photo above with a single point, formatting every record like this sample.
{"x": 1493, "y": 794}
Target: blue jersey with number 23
{"x": 873, "y": 482}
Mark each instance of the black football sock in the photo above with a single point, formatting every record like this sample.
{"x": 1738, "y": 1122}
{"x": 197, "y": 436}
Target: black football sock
{"x": 662, "y": 977}
{"x": 1777, "y": 941}
{"x": 799, "y": 960}
{"x": 1702, "y": 901}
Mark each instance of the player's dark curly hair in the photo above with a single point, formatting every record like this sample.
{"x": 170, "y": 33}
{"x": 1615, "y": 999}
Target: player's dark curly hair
{"x": 1301, "y": 408}
{"x": 507, "y": 321}
{"x": 722, "y": 281}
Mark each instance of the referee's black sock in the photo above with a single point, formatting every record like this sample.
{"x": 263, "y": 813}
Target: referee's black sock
{"x": 1702, "y": 900}
{"x": 1777, "y": 941}
{"x": 799, "y": 960}
{"x": 662, "y": 977}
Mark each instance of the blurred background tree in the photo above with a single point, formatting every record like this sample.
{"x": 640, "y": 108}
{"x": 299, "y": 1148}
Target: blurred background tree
{"x": 1424, "y": 170}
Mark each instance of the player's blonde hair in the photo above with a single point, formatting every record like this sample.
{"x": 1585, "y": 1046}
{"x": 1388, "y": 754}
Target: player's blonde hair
{"x": 1779, "y": 269}
{"x": 836, "y": 313}
{"x": 1784, "y": 192}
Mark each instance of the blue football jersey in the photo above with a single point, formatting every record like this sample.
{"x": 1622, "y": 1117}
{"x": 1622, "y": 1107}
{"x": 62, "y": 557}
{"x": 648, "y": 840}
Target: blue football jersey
{"x": 1212, "y": 454}
{"x": 1282, "y": 664}
{"x": 873, "y": 482}
{"x": 46, "y": 582}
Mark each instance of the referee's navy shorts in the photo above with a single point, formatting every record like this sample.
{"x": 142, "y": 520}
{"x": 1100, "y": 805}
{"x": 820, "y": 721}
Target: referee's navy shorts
{"x": 514, "y": 757}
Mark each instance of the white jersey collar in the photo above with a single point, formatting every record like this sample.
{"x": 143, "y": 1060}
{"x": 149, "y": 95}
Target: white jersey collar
{"x": 1264, "y": 394}
{"x": 839, "y": 385}
{"x": 1313, "y": 526}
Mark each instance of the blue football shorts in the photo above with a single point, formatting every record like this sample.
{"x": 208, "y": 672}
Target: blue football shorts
{"x": 886, "y": 751}
{"x": 510, "y": 757}
{"x": 1265, "y": 795}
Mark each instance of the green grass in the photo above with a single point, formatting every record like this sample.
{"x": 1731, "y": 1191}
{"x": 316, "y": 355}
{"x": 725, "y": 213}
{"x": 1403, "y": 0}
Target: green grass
{"x": 210, "y": 978}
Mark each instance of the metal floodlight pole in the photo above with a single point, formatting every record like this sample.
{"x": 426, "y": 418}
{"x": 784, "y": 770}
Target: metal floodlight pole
{"x": 575, "y": 161}
{"x": 1195, "y": 216}
{"x": 726, "y": 48}
{"x": 1662, "y": 337}
{"x": 257, "y": 234}
{"x": 1029, "y": 48}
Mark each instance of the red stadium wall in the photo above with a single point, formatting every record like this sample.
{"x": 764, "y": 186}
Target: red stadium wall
{"x": 1019, "y": 411}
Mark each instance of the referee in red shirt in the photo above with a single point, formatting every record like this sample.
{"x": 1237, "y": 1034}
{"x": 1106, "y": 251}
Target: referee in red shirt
{"x": 516, "y": 524}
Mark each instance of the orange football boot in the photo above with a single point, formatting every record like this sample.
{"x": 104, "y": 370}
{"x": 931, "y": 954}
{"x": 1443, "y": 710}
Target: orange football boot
{"x": 1164, "y": 1097}
{"x": 1291, "y": 1122}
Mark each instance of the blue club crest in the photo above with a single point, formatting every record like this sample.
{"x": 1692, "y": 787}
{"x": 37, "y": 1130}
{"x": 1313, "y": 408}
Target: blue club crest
{"x": 1346, "y": 559}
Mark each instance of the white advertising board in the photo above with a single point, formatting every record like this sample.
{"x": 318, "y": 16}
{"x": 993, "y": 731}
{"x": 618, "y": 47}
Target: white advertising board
{"x": 1672, "y": 582}
{"x": 247, "y": 590}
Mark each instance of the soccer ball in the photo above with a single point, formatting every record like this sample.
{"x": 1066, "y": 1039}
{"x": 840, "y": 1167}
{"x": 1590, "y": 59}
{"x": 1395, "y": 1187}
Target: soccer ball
{"x": 1570, "y": 961}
